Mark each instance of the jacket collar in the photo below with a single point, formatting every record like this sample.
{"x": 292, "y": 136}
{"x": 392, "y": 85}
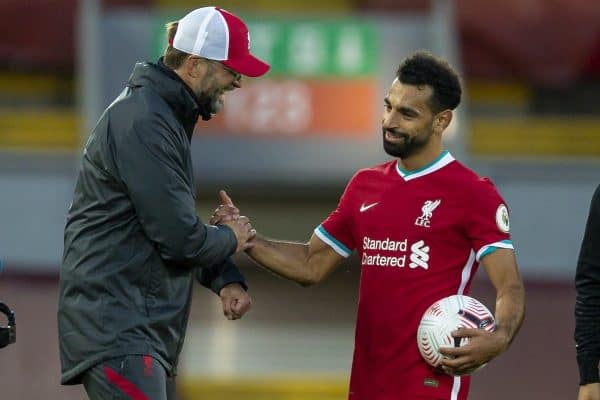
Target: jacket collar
{"x": 172, "y": 89}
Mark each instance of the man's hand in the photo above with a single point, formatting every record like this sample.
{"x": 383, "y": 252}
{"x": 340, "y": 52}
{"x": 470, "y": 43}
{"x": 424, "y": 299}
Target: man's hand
{"x": 482, "y": 347}
{"x": 501, "y": 268}
{"x": 225, "y": 212}
{"x": 591, "y": 391}
{"x": 228, "y": 214}
{"x": 236, "y": 301}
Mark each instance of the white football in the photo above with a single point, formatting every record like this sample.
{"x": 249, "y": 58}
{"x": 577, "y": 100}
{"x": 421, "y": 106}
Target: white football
{"x": 445, "y": 316}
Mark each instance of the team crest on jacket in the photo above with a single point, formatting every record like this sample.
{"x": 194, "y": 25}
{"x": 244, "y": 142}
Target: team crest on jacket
{"x": 428, "y": 207}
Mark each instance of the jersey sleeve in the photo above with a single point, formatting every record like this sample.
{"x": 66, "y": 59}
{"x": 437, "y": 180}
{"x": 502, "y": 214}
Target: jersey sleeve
{"x": 336, "y": 230}
{"x": 487, "y": 220}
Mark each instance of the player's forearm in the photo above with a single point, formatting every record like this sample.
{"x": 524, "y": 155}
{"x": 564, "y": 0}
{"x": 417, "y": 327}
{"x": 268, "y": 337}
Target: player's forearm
{"x": 510, "y": 311}
{"x": 287, "y": 259}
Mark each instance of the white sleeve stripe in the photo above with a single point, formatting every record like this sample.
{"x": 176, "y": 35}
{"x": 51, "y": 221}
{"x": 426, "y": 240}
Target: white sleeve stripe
{"x": 332, "y": 242}
{"x": 505, "y": 244}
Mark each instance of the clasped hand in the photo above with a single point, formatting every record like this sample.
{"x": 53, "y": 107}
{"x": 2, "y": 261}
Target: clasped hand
{"x": 228, "y": 214}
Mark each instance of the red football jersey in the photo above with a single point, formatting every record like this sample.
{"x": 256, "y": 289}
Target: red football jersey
{"x": 420, "y": 236}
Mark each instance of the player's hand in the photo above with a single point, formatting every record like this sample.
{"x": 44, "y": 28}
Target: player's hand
{"x": 224, "y": 213}
{"x": 482, "y": 347}
{"x": 236, "y": 301}
{"x": 591, "y": 391}
{"x": 243, "y": 232}
{"x": 228, "y": 214}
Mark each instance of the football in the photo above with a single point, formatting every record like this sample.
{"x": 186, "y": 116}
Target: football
{"x": 445, "y": 316}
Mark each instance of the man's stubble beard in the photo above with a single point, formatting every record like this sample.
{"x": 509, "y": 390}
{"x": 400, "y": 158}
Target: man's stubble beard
{"x": 212, "y": 103}
{"x": 216, "y": 104}
{"x": 410, "y": 146}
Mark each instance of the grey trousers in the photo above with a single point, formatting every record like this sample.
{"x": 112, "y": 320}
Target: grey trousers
{"x": 132, "y": 377}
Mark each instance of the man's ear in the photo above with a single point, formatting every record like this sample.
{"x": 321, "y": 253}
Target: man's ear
{"x": 442, "y": 120}
{"x": 194, "y": 67}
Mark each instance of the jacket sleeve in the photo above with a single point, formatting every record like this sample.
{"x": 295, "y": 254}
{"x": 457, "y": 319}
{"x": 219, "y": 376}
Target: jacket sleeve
{"x": 150, "y": 163}
{"x": 217, "y": 277}
{"x": 587, "y": 304}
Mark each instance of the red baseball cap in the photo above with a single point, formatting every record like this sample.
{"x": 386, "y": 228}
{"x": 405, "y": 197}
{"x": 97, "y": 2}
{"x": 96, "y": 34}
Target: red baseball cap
{"x": 217, "y": 34}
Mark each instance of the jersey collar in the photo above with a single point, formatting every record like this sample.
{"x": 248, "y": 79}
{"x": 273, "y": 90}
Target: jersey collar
{"x": 444, "y": 159}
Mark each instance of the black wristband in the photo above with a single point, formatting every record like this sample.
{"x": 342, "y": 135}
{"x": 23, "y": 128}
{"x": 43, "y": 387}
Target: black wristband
{"x": 588, "y": 369}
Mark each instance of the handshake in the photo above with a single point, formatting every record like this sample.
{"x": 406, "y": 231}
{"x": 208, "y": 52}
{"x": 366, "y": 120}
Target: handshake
{"x": 228, "y": 214}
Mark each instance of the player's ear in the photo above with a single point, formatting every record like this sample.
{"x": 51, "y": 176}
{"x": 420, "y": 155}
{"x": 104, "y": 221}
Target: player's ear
{"x": 442, "y": 120}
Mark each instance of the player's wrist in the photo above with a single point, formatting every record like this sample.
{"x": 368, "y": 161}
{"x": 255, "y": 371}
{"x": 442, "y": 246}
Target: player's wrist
{"x": 503, "y": 337}
{"x": 236, "y": 286}
{"x": 258, "y": 242}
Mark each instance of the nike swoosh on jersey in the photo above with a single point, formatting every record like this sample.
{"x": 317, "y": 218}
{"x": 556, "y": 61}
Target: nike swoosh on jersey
{"x": 364, "y": 207}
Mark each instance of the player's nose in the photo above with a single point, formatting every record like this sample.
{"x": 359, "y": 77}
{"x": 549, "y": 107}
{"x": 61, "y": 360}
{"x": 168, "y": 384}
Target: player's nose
{"x": 388, "y": 121}
{"x": 388, "y": 124}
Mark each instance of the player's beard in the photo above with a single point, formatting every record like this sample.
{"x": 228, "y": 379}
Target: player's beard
{"x": 410, "y": 146}
{"x": 212, "y": 103}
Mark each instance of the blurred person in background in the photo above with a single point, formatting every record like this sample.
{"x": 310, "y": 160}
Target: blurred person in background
{"x": 8, "y": 333}
{"x": 587, "y": 305}
{"x": 133, "y": 239}
{"x": 421, "y": 224}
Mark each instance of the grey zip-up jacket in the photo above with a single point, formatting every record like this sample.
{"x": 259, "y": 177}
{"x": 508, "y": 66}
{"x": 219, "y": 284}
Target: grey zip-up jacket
{"x": 133, "y": 239}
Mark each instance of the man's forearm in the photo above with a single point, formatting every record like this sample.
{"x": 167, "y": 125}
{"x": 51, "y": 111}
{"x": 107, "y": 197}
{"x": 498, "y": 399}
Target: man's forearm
{"x": 286, "y": 259}
{"x": 510, "y": 311}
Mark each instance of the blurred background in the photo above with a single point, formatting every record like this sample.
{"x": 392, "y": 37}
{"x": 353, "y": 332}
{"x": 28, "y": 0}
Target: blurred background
{"x": 284, "y": 147}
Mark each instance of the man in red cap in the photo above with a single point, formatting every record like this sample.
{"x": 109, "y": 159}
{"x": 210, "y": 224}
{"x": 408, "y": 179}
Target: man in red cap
{"x": 133, "y": 239}
{"x": 209, "y": 49}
